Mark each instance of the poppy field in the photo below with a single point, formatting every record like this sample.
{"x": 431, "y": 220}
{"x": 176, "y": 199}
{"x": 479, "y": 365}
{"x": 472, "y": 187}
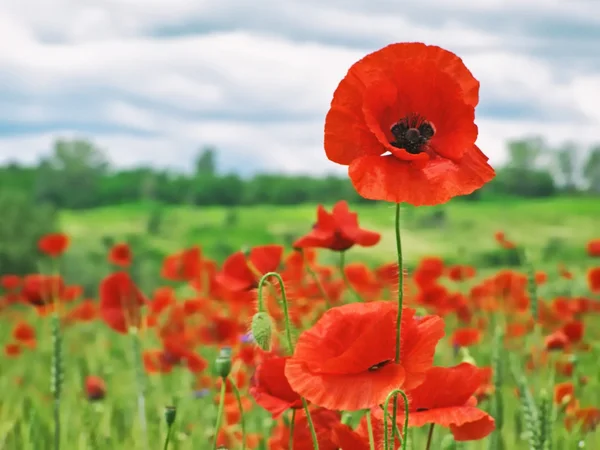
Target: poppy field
{"x": 355, "y": 328}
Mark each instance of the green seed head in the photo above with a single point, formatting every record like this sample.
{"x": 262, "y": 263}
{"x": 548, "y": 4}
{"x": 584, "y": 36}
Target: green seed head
{"x": 223, "y": 362}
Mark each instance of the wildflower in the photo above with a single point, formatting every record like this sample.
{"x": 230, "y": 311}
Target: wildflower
{"x": 337, "y": 231}
{"x": 346, "y": 361}
{"x": 271, "y": 389}
{"x": 120, "y": 255}
{"x": 402, "y": 119}
{"x": 53, "y": 244}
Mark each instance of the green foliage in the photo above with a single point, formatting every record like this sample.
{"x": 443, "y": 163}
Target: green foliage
{"x": 22, "y": 223}
{"x": 77, "y": 175}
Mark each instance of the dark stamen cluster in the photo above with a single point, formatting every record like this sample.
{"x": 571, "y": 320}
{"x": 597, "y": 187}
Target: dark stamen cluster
{"x": 412, "y": 133}
{"x": 379, "y": 365}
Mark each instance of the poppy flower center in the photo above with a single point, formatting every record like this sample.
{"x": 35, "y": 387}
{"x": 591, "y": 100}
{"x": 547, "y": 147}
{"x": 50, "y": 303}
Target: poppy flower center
{"x": 412, "y": 133}
{"x": 379, "y": 365}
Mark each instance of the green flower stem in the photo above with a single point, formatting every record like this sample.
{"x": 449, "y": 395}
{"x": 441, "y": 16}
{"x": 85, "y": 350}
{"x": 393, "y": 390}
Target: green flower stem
{"x": 140, "y": 383}
{"x": 400, "y": 282}
{"x": 370, "y": 431}
{"x": 399, "y": 316}
{"x": 238, "y": 398}
{"x": 220, "y": 412}
{"x": 168, "y": 438}
{"x": 292, "y": 424}
{"x": 345, "y": 278}
{"x": 56, "y": 377}
{"x": 311, "y": 425}
{"x": 286, "y": 314}
{"x": 395, "y": 394}
{"x": 430, "y": 436}
{"x": 290, "y": 342}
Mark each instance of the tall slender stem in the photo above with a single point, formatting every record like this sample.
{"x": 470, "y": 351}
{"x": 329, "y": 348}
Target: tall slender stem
{"x": 345, "y": 278}
{"x": 290, "y": 341}
{"x": 400, "y": 306}
{"x": 400, "y": 282}
{"x": 140, "y": 384}
{"x": 370, "y": 431}
{"x": 167, "y": 439}
{"x": 292, "y": 425}
{"x": 311, "y": 425}
{"x": 220, "y": 413}
{"x": 56, "y": 370}
{"x": 238, "y": 398}
{"x": 430, "y": 436}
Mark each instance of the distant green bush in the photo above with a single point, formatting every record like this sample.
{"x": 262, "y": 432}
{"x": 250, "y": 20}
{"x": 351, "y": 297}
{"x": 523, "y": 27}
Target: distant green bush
{"x": 22, "y": 223}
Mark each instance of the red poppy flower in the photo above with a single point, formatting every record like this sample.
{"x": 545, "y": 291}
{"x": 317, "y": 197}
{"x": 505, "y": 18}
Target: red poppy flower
{"x": 593, "y": 277}
{"x": 271, "y": 389}
{"x": 120, "y": 255}
{"x": 587, "y": 418}
{"x": 338, "y": 231}
{"x": 446, "y": 398}
{"x": 540, "y": 277}
{"x": 331, "y": 433}
{"x": 10, "y": 282}
{"x": 183, "y": 266}
{"x": 403, "y": 121}
{"x": 40, "y": 289}
{"x": 346, "y": 360}
{"x": 25, "y": 334}
{"x": 12, "y": 350}
{"x": 556, "y": 341}
{"x": 429, "y": 269}
{"x": 243, "y": 274}
{"x": 593, "y": 247}
{"x": 120, "y": 302}
{"x": 466, "y": 337}
{"x": 53, "y": 244}
{"x": 564, "y": 393}
{"x": 574, "y": 331}
{"x": 460, "y": 272}
{"x": 95, "y": 388}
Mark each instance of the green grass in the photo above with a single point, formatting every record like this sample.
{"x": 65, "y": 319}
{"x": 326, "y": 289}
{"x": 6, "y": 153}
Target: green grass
{"x": 553, "y": 231}
{"x": 562, "y": 224}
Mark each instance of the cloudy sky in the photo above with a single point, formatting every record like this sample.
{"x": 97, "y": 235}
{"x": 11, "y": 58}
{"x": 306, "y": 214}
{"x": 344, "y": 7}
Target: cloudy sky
{"x": 150, "y": 81}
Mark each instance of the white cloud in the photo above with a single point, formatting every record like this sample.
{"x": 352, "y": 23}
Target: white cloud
{"x": 258, "y": 83}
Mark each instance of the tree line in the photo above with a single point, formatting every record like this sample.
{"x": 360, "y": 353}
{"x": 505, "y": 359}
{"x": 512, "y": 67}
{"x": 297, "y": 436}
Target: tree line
{"x": 77, "y": 175}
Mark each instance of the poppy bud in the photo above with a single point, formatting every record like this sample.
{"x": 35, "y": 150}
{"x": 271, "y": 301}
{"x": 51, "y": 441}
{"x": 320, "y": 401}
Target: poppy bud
{"x": 262, "y": 330}
{"x": 170, "y": 414}
{"x": 223, "y": 362}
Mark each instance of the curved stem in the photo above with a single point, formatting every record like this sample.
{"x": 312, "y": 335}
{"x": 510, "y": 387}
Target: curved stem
{"x": 220, "y": 412}
{"x": 315, "y": 278}
{"x": 370, "y": 431}
{"x": 345, "y": 278}
{"x": 395, "y": 394}
{"x": 292, "y": 424}
{"x": 286, "y": 315}
{"x": 311, "y": 425}
{"x": 238, "y": 398}
{"x": 290, "y": 341}
{"x": 429, "y": 436}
